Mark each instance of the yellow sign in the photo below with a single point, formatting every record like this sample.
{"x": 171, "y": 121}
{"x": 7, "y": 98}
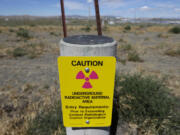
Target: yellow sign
{"x": 87, "y": 88}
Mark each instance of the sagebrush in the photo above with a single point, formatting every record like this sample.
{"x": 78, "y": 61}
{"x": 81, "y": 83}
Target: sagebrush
{"x": 147, "y": 102}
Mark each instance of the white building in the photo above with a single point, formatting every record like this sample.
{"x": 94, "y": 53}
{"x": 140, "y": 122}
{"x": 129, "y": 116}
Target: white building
{"x": 111, "y": 22}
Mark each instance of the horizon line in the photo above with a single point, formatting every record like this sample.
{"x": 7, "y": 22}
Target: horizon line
{"x": 88, "y": 16}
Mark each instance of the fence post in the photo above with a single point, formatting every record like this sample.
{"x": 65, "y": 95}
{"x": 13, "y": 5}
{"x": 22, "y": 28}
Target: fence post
{"x": 88, "y": 45}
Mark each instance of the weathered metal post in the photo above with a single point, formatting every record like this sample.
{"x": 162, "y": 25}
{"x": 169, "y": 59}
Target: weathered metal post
{"x": 98, "y": 19}
{"x": 63, "y": 18}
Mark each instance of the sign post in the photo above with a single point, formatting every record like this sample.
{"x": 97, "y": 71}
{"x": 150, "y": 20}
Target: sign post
{"x": 87, "y": 72}
{"x": 63, "y": 18}
{"x": 98, "y": 19}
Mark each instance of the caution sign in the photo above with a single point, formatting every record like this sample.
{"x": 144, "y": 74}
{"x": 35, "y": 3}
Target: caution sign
{"x": 87, "y": 88}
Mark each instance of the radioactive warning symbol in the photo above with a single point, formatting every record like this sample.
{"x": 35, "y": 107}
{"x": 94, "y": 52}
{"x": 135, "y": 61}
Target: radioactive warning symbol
{"x": 87, "y": 84}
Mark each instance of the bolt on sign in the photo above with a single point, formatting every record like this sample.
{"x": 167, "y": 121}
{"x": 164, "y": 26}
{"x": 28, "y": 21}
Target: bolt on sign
{"x": 87, "y": 88}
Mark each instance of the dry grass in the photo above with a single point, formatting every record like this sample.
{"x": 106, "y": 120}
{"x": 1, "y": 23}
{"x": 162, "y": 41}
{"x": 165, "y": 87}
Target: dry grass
{"x": 173, "y": 51}
{"x": 158, "y": 29}
{"x": 128, "y": 52}
{"x": 32, "y": 49}
{"x": 163, "y": 35}
{"x": 17, "y": 113}
{"x": 25, "y": 102}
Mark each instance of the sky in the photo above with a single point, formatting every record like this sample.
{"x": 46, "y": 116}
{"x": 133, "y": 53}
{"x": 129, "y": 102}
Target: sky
{"x": 120, "y": 8}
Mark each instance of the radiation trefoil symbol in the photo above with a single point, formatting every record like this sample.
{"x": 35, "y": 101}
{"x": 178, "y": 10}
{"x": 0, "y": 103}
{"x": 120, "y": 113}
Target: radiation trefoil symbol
{"x": 87, "y": 84}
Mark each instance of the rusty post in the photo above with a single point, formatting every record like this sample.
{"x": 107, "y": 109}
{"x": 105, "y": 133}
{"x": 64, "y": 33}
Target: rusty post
{"x": 98, "y": 19}
{"x": 63, "y": 18}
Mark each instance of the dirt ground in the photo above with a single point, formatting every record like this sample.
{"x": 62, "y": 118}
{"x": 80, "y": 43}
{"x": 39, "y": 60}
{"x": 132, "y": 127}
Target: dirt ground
{"x": 28, "y": 83}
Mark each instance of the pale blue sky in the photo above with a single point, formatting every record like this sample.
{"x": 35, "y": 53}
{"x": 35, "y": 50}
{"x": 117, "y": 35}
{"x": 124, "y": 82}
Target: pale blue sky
{"x": 123, "y": 8}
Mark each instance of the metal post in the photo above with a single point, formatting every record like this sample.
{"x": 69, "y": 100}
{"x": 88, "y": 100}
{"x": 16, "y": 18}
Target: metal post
{"x": 63, "y": 17}
{"x": 89, "y": 45}
{"x": 98, "y": 19}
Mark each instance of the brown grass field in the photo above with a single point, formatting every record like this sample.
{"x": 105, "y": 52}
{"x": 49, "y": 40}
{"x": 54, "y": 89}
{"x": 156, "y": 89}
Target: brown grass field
{"x": 29, "y": 81}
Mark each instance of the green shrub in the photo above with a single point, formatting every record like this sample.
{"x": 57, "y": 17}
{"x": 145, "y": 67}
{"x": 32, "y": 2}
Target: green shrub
{"x": 32, "y": 25}
{"x": 52, "y": 33}
{"x": 11, "y": 30}
{"x": 142, "y": 26}
{"x": 146, "y": 39}
{"x": 23, "y": 33}
{"x": 134, "y": 56}
{"x": 175, "y": 30}
{"x": 127, "y": 27}
{"x": 19, "y": 52}
{"x": 126, "y": 47}
{"x": 146, "y": 102}
{"x": 0, "y": 31}
{"x": 55, "y": 34}
{"x": 46, "y": 86}
{"x": 161, "y": 35}
{"x": 121, "y": 40}
{"x": 172, "y": 52}
{"x": 105, "y": 28}
{"x": 122, "y": 61}
{"x": 87, "y": 28}
{"x": 47, "y": 122}
{"x": 9, "y": 52}
{"x": 32, "y": 55}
